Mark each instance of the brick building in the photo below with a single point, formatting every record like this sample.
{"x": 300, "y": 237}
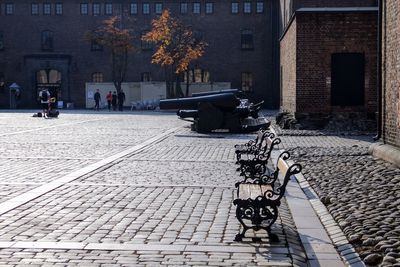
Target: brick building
{"x": 328, "y": 61}
{"x": 391, "y": 72}
{"x": 42, "y": 45}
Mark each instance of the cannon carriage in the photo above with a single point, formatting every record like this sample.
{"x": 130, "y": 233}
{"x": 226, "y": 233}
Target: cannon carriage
{"x": 211, "y": 111}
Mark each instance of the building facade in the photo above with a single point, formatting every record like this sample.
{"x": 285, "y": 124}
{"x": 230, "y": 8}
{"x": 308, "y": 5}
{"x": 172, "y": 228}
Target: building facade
{"x": 42, "y": 44}
{"x": 328, "y": 63}
{"x": 391, "y": 72}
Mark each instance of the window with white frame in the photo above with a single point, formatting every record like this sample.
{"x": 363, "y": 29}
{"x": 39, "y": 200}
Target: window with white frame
{"x": 46, "y": 9}
{"x": 9, "y": 8}
{"x": 196, "y": 8}
{"x": 247, "y": 7}
{"x": 84, "y": 8}
{"x": 158, "y": 8}
{"x": 59, "y": 8}
{"x": 109, "y": 8}
{"x": 247, "y": 40}
{"x": 234, "y": 7}
{"x": 96, "y": 9}
{"x": 247, "y": 81}
{"x": 209, "y": 8}
{"x": 260, "y": 7}
{"x": 184, "y": 8}
{"x": 145, "y": 77}
{"x": 134, "y": 9}
{"x": 35, "y": 9}
{"x": 97, "y": 77}
{"x": 146, "y": 8}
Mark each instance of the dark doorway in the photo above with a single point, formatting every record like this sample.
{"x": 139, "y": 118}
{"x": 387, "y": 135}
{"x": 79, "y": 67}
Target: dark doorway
{"x": 348, "y": 79}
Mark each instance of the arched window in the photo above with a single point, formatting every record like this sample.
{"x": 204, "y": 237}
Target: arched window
{"x": 247, "y": 40}
{"x": 97, "y": 77}
{"x": 47, "y": 40}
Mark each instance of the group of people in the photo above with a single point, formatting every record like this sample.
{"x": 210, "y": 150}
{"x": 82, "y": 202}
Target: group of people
{"x": 113, "y": 100}
{"x": 46, "y": 102}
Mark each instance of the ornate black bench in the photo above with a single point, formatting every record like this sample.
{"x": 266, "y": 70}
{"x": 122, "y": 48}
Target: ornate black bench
{"x": 256, "y": 164}
{"x": 258, "y": 199}
{"x": 252, "y": 147}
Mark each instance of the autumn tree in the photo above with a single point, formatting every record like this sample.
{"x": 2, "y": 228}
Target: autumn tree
{"x": 113, "y": 36}
{"x": 176, "y": 48}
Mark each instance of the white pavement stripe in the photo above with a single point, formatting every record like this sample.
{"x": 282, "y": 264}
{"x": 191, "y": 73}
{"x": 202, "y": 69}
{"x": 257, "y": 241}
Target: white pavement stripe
{"x": 41, "y": 190}
{"x": 144, "y": 247}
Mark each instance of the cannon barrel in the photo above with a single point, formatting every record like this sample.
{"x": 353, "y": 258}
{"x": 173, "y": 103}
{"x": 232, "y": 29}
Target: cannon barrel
{"x": 226, "y": 102}
{"x": 233, "y": 91}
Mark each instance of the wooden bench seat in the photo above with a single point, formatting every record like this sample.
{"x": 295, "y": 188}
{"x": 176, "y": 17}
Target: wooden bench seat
{"x": 258, "y": 200}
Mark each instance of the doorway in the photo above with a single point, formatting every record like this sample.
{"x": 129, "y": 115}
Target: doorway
{"x": 51, "y": 80}
{"x": 348, "y": 77}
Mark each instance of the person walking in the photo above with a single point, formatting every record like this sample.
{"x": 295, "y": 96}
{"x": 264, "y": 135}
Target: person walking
{"x": 121, "y": 100}
{"x": 44, "y": 96}
{"x": 114, "y": 101}
{"x": 109, "y": 100}
{"x": 97, "y": 98}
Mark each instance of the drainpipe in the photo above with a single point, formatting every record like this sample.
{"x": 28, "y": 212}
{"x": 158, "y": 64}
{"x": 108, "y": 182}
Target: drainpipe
{"x": 379, "y": 73}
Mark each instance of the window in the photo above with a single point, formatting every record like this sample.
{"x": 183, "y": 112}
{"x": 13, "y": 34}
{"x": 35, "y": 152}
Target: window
{"x": 95, "y": 46}
{"x": 34, "y": 9}
{"x": 247, "y": 82}
{"x": 197, "y": 76}
{"x": 59, "y": 8}
{"x": 235, "y": 7}
{"x": 145, "y": 77}
{"x": 184, "y": 8}
{"x": 247, "y": 7}
{"x": 96, "y": 9}
{"x": 260, "y": 7}
{"x": 109, "y": 9}
{"x": 145, "y": 44}
{"x": 209, "y": 8}
{"x": 247, "y": 40}
{"x": 1, "y": 41}
{"x": 46, "y": 9}
{"x": 9, "y": 9}
{"x": 146, "y": 8}
{"x": 84, "y": 8}
{"x": 47, "y": 40}
{"x": 97, "y": 77}
{"x": 134, "y": 9}
{"x": 159, "y": 8}
{"x": 196, "y": 8}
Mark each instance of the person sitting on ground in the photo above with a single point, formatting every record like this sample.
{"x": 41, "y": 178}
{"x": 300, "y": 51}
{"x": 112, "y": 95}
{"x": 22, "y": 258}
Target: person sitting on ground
{"x": 44, "y": 96}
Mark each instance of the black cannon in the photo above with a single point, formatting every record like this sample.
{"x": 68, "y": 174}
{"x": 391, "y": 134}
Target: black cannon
{"x": 236, "y": 92}
{"x": 217, "y": 111}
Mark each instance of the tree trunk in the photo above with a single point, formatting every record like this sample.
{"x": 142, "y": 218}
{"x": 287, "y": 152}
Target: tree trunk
{"x": 187, "y": 83}
{"x": 178, "y": 88}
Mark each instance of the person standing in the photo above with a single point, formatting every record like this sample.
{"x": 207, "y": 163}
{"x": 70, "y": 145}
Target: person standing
{"x": 121, "y": 100}
{"x": 44, "y": 96}
{"x": 114, "y": 101}
{"x": 97, "y": 98}
{"x": 109, "y": 100}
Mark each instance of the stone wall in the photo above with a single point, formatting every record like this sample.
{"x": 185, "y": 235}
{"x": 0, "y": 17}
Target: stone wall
{"x": 391, "y": 72}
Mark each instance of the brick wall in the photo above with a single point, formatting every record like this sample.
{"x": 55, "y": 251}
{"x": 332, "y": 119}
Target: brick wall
{"x": 288, "y": 70}
{"x": 391, "y": 72}
{"x": 224, "y": 58}
{"x": 319, "y": 35}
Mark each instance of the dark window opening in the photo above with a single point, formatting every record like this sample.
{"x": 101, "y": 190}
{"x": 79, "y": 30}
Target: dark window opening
{"x": 146, "y": 77}
{"x": 247, "y": 40}
{"x": 348, "y": 77}
{"x": 47, "y": 40}
{"x": 247, "y": 82}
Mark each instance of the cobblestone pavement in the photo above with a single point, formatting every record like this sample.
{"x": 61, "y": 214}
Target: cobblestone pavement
{"x": 361, "y": 192}
{"x": 87, "y": 190}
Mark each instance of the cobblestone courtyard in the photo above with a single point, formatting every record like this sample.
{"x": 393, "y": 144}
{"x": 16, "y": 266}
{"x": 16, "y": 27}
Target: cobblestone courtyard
{"x": 132, "y": 189}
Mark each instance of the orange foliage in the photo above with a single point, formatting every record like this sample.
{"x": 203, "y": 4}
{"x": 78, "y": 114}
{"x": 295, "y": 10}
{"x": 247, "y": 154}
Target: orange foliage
{"x": 176, "y": 45}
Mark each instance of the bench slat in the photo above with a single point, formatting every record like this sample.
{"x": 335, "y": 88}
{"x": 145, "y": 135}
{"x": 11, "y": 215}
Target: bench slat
{"x": 283, "y": 166}
{"x": 249, "y": 191}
